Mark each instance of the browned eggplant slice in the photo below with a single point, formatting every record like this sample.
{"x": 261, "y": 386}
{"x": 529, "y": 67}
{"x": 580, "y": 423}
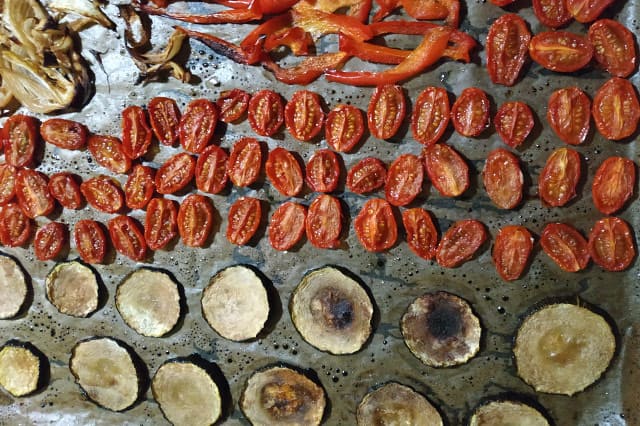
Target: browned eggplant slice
{"x": 72, "y": 288}
{"x": 149, "y": 302}
{"x": 332, "y": 311}
{"x": 441, "y": 330}
{"x": 21, "y": 368}
{"x": 394, "y": 405}
{"x": 13, "y": 287}
{"x": 507, "y": 413}
{"x": 563, "y": 348}
{"x": 280, "y": 395}
{"x": 235, "y": 303}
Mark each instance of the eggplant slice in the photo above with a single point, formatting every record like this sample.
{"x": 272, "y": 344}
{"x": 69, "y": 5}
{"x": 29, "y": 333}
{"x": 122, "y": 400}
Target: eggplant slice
{"x": 21, "y": 368}
{"x": 72, "y": 288}
{"x": 13, "y": 287}
{"x": 395, "y": 404}
{"x": 507, "y": 413}
{"x": 441, "y": 330}
{"x": 186, "y": 393}
{"x": 332, "y": 311}
{"x": 236, "y": 304}
{"x": 280, "y": 395}
{"x": 563, "y": 348}
{"x": 149, "y": 302}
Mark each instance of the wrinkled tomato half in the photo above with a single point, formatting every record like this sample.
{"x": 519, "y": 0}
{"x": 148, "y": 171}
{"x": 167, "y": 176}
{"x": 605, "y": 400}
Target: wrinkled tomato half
{"x": 64, "y": 187}
{"x": 15, "y": 226}
{"x": 195, "y": 220}
{"x": 470, "y": 112}
{"x": 616, "y": 110}
{"x": 33, "y": 193}
{"x": 511, "y": 251}
{"x": 552, "y": 13}
{"x": 243, "y": 220}
{"x": 460, "y": 243}
{"x": 323, "y": 171}
{"x": 611, "y": 244}
{"x": 64, "y": 133}
{"x": 7, "y": 182}
{"x": 127, "y": 237}
{"x": 266, "y": 112}
{"x": 386, "y": 111}
{"x": 447, "y": 170}
{"x": 303, "y": 115}
{"x": 211, "y": 170}
{"x": 50, "y": 240}
{"x": 245, "y": 162}
{"x": 507, "y": 47}
{"x": 284, "y": 172}
{"x": 103, "y": 193}
{"x": 614, "y": 47}
{"x": 109, "y": 153}
{"x": 197, "y": 125}
{"x": 367, "y": 175}
{"x": 20, "y": 135}
{"x": 139, "y": 187}
{"x": 514, "y": 122}
{"x": 287, "y": 225}
{"x": 324, "y": 222}
{"x": 232, "y": 105}
{"x": 430, "y": 115}
{"x": 560, "y": 176}
{"x": 568, "y": 114}
{"x": 175, "y": 173}
{"x": 164, "y": 116}
{"x": 136, "y": 132}
{"x": 422, "y": 235}
{"x": 90, "y": 240}
{"x": 565, "y": 246}
{"x": 375, "y": 225}
{"x": 404, "y": 180}
{"x": 344, "y": 127}
{"x": 503, "y": 179}
{"x": 561, "y": 51}
{"x": 586, "y": 10}
{"x": 161, "y": 223}
{"x": 613, "y": 184}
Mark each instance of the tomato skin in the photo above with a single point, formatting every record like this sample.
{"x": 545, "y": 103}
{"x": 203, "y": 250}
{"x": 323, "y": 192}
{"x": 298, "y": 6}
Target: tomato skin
{"x": 284, "y": 172}
{"x": 161, "y": 223}
{"x": 422, "y": 236}
{"x": 507, "y": 47}
{"x": 511, "y": 251}
{"x": 136, "y": 133}
{"x": 243, "y": 220}
{"x": 164, "y": 116}
{"x": 7, "y": 183}
{"x": 614, "y": 47}
{"x": 197, "y": 125}
{"x": 64, "y": 188}
{"x": 266, "y": 112}
{"x": 470, "y": 112}
{"x": 367, "y": 175}
{"x": 103, "y": 193}
{"x": 560, "y": 176}
{"x": 430, "y": 116}
{"x": 324, "y": 222}
{"x": 90, "y": 240}
{"x": 375, "y": 225}
{"x": 127, "y": 238}
{"x": 615, "y": 109}
{"x": 211, "y": 170}
{"x": 15, "y": 226}
{"x": 386, "y": 111}
{"x": 461, "y": 241}
{"x": 139, "y": 187}
{"x": 447, "y": 170}
{"x": 569, "y": 114}
{"x": 287, "y": 225}
{"x": 587, "y": 10}
{"x": 344, "y": 127}
{"x": 175, "y": 173}
{"x": 50, "y": 240}
{"x": 109, "y": 153}
{"x": 404, "y": 180}
{"x": 323, "y": 171}
{"x": 303, "y": 115}
{"x": 195, "y": 220}
{"x": 20, "y": 135}
{"x": 565, "y": 246}
{"x": 561, "y": 51}
{"x": 503, "y": 179}
{"x": 611, "y": 244}
{"x": 613, "y": 184}
{"x": 33, "y": 193}
{"x": 245, "y": 162}
{"x": 513, "y": 122}
{"x": 232, "y": 105}
{"x": 552, "y": 13}
{"x": 64, "y": 133}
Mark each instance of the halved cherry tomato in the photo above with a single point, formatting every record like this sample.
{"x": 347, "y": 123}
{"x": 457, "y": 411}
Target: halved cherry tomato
{"x": 511, "y": 251}
{"x": 422, "y": 235}
{"x": 616, "y": 110}
{"x": 195, "y": 220}
{"x": 587, "y": 10}
{"x": 197, "y": 125}
{"x": 20, "y": 135}
{"x": 7, "y": 182}
{"x": 430, "y": 115}
{"x": 175, "y": 173}
{"x": 503, "y": 179}
{"x": 367, "y": 175}
{"x": 303, "y": 115}
{"x": 561, "y": 51}
{"x": 139, "y": 187}
{"x": 552, "y": 13}
{"x": 127, "y": 237}
{"x": 613, "y": 184}
{"x": 324, "y": 222}
{"x": 323, "y": 171}
{"x": 245, "y": 162}
{"x": 50, "y": 240}
{"x": 513, "y": 122}
{"x": 91, "y": 241}
{"x": 470, "y": 112}
{"x": 103, "y": 193}
{"x": 232, "y": 105}
{"x": 266, "y": 112}
{"x": 404, "y": 180}
{"x": 565, "y": 246}
{"x": 614, "y": 47}
{"x": 569, "y": 113}
{"x": 375, "y": 225}
{"x": 15, "y": 226}
{"x": 33, "y": 193}
{"x": 611, "y": 244}
{"x": 386, "y": 111}
{"x": 461, "y": 241}
{"x": 560, "y": 176}
{"x": 285, "y": 172}
{"x": 243, "y": 220}
{"x": 447, "y": 170}
{"x": 136, "y": 133}
{"x": 64, "y": 187}
{"x": 64, "y": 133}
{"x": 109, "y": 153}
{"x": 164, "y": 116}
{"x": 507, "y": 46}
{"x": 287, "y": 225}
{"x": 211, "y": 170}
{"x": 161, "y": 223}
{"x": 344, "y": 127}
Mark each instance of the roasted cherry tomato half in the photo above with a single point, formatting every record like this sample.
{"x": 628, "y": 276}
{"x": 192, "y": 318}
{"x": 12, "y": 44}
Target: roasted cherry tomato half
{"x": 470, "y": 112}
{"x": 513, "y": 122}
{"x": 344, "y": 127}
{"x": 64, "y": 187}
{"x": 164, "y": 116}
{"x": 161, "y": 223}
{"x": 511, "y": 251}
{"x": 15, "y": 226}
{"x": 613, "y": 184}
{"x": 386, "y": 111}
{"x": 50, "y": 240}
{"x": 561, "y": 51}
{"x": 586, "y": 10}
{"x": 565, "y": 246}
{"x": 64, "y": 133}
{"x": 616, "y": 110}
{"x": 460, "y": 243}
{"x": 175, "y": 173}
{"x": 136, "y": 133}
{"x": 211, "y": 170}
{"x": 195, "y": 220}
{"x": 103, "y": 193}
{"x": 8, "y": 175}
{"x": 303, "y": 115}
{"x": 197, "y": 125}
{"x": 404, "y": 180}
{"x": 422, "y": 235}
{"x": 430, "y": 115}
{"x": 552, "y": 13}
{"x": 266, "y": 112}
{"x": 503, "y": 179}
{"x": 375, "y": 225}
{"x": 611, "y": 244}
{"x": 127, "y": 237}
{"x": 284, "y": 172}
{"x": 447, "y": 170}
{"x": 33, "y": 193}
{"x": 324, "y": 222}
{"x": 560, "y": 176}
{"x": 109, "y": 153}
{"x": 367, "y": 175}
{"x": 90, "y": 240}
{"x": 20, "y": 135}
{"x": 245, "y": 162}
{"x": 287, "y": 225}
{"x": 139, "y": 187}
{"x": 232, "y": 105}
{"x": 507, "y": 47}
{"x": 568, "y": 114}
{"x": 614, "y": 47}
{"x": 243, "y": 220}
{"x": 323, "y": 171}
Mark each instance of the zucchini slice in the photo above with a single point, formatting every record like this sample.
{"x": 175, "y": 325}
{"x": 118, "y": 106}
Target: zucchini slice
{"x": 21, "y": 368}
{"x": 13, "y": 287}
{"x": 72, "y": 287}
{"x": 149, "y": 302}
{"x": 507, "y": 413}
{"x": 332, "y": 311}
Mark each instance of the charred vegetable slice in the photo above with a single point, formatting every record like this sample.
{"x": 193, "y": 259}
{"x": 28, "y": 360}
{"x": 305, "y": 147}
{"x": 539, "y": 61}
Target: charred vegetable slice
{"x": 235, "y": 303}
{"x": 396, "y": 404}
{"x": 13, "y": 287}
{"x": 280, "y": 395}
{"x": 563, "y": 348}
{"x": 21, "y": 367}
{"x": 441, "y": 330}
{"x": 149, "y": 302}
{"x": 72, "y": 288}
{"x": 332, "y": 311}
{"x": 505, "y": 413}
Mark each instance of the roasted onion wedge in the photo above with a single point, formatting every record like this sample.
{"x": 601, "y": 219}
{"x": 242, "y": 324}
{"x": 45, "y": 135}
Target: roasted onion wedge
{"x": 13, "y": 287}
{"x": 506, "y": 413}
{"x": 22, "y": 368}
{"x": 72, "y": 287}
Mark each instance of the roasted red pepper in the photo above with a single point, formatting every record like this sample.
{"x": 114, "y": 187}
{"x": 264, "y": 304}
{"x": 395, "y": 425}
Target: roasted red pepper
{"x": 308, "y": 69}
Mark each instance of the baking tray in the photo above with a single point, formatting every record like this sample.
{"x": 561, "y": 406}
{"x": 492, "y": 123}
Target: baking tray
{"x": 394, "y": 278}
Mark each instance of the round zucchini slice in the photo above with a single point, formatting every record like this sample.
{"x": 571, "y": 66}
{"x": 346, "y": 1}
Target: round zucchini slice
{"x": 235, "y": 303}
{"x": 20, "y": 368}
{"x": 507, "y": 413}
{"x": 441, "y": 330}
{"x": 149, "y": 302}
{"x": 563, "y": 348}
{"x": 396, "y": 404}
{"x": 13, "y": 287}
{"x": 72, "y": 287}
{"x": 186, "y": 393}
{"x": 332, "y": 311}
{"x": 280, "y": 395}
{"x": 105, "y": 370}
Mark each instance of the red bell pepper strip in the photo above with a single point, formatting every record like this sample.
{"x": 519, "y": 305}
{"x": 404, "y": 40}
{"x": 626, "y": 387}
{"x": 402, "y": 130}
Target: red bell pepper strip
{"x": 449, "y": 10}
{"x": 248, "y": 56}
{"x": 296, "y": 39}
{"x": 308, "y": 70}
{"x": 319, "y": 23}
{"x": 359, "y": 9}
{"x": 385, "y": 9}
{"x": 270, "y": 26}
{"x": 231, "y": 16}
